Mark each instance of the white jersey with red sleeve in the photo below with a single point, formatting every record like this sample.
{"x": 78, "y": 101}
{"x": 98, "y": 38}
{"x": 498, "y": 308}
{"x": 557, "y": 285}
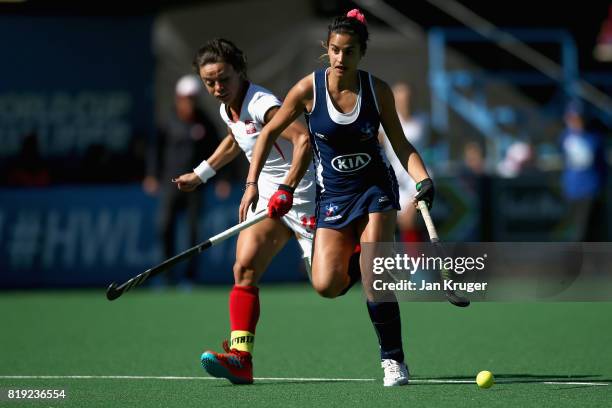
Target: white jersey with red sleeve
{"x": 300, "y": 218}
{"x": 256, "y": 104}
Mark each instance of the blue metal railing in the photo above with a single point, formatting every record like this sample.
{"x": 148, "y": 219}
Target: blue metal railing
{"x": 447, "y": 84}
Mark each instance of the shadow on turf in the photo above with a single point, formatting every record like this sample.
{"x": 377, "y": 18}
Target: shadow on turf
{"x": 519, "y": 378}
{"x": 275, "y": 383}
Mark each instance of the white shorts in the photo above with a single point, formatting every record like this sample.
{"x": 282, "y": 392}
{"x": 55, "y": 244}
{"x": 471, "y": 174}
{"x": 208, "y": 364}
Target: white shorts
{"x": 300, "y": 219}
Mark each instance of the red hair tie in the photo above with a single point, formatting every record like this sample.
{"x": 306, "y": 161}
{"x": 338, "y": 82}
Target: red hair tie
{"x": 355, "y": 13}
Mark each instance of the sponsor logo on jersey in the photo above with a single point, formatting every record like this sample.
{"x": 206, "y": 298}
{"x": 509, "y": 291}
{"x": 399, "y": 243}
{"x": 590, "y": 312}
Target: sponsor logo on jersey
{"x": 250, "y": 127}
{"x": 330, "y": 212}
{"x": 350, "y": 163}
{"x": 320, "y": 136}
{"x": 367, "y": 132}
{"x": 309, "y": 222}
{"x": 330, "y": 209}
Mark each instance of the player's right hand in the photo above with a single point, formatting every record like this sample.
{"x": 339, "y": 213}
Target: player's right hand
{"x": 249, "y": 200}
{"x": 281, "y": 201}
{"x": 187, "y": 182}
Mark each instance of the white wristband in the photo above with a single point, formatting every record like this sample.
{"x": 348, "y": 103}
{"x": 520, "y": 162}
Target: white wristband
{"x": 204, "y": 171}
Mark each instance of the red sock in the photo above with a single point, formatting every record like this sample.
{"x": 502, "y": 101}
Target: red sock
{"x": 244, "y": 314}
{"x": 410, "y": 235}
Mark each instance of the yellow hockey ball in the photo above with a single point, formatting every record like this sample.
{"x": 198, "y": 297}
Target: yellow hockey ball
{"x": 484, "y": 379}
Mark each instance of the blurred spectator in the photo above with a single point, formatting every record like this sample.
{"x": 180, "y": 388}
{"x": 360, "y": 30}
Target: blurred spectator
{"x": 472, "y": 170}
{"x": 98, "y": 165}
{"x": 584, "y": 176}
{"x": 476, "y": 182}
{"x": 603, "y": 48}
{"x": 519, "y": 159}
{"x": 186, "y": 137}
{"x": 412, "y": 124}
{"x": 414, "y": 130}
{"x": 29, "y": 169}
{"x": 473, "y": 159}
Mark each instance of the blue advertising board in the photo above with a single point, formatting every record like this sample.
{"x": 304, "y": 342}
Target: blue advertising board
{"x": 75, "y": 82}
{"x": 91, "y": 236}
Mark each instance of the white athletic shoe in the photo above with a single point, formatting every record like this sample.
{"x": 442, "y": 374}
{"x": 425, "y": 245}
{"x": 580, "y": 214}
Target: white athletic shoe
{"x": 395, "y": 373}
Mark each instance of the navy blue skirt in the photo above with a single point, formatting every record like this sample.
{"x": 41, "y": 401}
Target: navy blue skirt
{"x": 339, "y": 211}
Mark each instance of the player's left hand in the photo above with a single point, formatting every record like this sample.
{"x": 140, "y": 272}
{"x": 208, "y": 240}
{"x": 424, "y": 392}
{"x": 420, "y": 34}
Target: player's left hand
{"x": 280, "y": 203}
{"x": 425, "y": 192}
{"x": 249, "y": 200}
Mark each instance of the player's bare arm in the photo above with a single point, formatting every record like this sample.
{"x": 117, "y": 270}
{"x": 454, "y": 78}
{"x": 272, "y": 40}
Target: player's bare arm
{"x": 227, "y": 151}
{"x": 292, "y": 107}
{"x": 297, "y": 134}
{"x": 282, "y": 121}
{"x": 404, "y": 150}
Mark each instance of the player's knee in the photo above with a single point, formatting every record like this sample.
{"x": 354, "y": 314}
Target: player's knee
{"x": 327, "y": 288}
{"x": 327, "y": 291}
{"x": 244, "y": 275}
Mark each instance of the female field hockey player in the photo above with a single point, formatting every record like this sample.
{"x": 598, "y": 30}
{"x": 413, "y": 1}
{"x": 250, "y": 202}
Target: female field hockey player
{"x": 357, "y": 194}
{"x": 246, "y": 108}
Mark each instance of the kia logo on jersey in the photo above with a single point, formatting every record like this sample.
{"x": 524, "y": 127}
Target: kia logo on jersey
{"x": 349, "y": 163}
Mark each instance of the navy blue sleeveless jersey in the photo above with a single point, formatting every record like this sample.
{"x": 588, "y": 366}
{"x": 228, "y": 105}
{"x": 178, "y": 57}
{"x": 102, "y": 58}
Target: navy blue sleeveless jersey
{"x": 353, "y": 175}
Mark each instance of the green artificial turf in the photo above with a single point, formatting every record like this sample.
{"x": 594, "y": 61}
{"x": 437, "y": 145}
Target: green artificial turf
{"x": 304, "y": 345}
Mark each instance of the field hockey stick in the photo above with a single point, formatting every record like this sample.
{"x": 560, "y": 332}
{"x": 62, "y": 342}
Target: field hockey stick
{"x": 114, "y": 291}
{"x": 452, "y": 296}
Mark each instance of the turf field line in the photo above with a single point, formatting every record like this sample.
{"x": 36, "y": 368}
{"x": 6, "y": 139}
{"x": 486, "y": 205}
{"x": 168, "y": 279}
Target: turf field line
{"x": 573, "y": 383}
{"x": 502, "y": 381}
{"x": 296, "y": 379}
{"x": 146, "y": 377}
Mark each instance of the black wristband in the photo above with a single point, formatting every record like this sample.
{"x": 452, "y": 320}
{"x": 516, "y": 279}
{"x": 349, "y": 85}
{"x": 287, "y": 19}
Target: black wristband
{"x": 286, "y": 188}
